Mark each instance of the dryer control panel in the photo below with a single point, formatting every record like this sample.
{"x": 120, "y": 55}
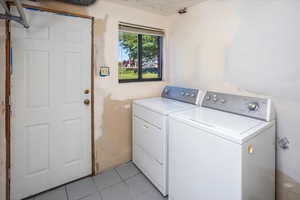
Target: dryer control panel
{"x": 187, "y": 95}
{"x": 259, "y": 108}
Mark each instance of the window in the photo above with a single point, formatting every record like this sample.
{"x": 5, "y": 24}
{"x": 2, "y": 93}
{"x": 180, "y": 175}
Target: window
{"x": 140, "y": 53}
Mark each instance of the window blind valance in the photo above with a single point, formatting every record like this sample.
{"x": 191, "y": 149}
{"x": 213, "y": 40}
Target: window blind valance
{"x": 132, "y": 28}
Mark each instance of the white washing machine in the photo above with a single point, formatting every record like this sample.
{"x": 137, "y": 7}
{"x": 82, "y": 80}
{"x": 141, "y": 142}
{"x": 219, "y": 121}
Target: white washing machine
{"x": 150, "y": 131}
{"x": 223, "y": 150}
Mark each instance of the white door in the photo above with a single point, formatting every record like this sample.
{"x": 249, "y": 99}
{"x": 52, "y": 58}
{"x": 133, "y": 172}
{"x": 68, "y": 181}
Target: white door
{"x": 51, "y": 126}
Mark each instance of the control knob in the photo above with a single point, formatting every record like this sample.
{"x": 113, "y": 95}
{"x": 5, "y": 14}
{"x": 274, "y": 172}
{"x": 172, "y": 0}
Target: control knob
{"x": 215, "y": 98}
{"x": 207, "y": 98}
{"x": 253, "y": 106}
{"x": 223, "y": 101}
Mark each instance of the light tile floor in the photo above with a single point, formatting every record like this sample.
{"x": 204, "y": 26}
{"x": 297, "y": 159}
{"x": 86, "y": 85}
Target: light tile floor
{"x": 124, "y": 182}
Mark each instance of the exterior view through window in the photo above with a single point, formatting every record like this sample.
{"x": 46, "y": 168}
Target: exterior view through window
{"x": 140, "y": 55}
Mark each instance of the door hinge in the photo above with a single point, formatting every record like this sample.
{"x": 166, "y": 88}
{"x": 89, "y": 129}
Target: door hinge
{"x": 11, "y": 61}
{"x": 9, "y": 174}
{"x": 9, "y": 105}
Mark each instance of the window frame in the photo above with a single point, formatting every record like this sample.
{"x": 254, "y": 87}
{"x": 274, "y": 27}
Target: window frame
{"x": 140, "y": 64}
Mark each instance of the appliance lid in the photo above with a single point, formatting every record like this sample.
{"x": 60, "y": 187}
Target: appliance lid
{"x": 163, "y": 105}
{"x": 226, "y": 125}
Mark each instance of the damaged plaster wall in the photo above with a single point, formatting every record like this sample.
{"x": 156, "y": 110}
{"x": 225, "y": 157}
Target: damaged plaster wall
{"x": 113, "y": 100}
{"x": 246, "y": 47}
{"x": 2, "y": 110}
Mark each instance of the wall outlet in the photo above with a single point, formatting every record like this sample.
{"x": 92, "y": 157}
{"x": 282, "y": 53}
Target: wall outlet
{"x": 283, "y": 143}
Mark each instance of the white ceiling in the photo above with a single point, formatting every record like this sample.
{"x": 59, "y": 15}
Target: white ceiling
{"x": 163, "y": 7}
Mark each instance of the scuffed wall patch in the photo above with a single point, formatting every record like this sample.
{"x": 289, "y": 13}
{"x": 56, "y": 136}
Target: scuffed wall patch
{"x": 99, "y": 43}
{"x": 114, "y": 146}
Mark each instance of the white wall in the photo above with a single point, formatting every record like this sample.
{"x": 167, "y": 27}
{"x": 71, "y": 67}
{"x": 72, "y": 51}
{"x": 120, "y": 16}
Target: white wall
{"x": 244, "y": 46}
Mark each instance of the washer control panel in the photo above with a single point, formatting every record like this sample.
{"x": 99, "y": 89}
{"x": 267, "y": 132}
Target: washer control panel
{"x": 254, "y": 107}
{"x": 187, "y": 95}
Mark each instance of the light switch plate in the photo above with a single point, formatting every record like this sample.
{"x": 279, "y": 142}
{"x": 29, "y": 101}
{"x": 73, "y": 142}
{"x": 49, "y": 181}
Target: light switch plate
{"x": 104, "y": 71}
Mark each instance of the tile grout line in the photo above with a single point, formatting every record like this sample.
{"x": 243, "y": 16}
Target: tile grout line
{"x": 101, "y": 197}
{"x": 143, "y": 193}
{"x": 122, "y": 180}
{"x": 148, "y": 180}
{"x": 125, "y": 179}
{"x": 133, "y": 176}
{"x": 126, "y": 184}
{"x": 85, "y": 196}
{"x": 98, "y": 189}
{"x": 66, "y": 191}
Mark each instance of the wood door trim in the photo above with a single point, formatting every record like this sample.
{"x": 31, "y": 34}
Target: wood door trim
{"x": 8, "y": 92}
{"x": 93, "y": 100}
{"x": 7, "y": 107}
{"x": 62, "y": 12}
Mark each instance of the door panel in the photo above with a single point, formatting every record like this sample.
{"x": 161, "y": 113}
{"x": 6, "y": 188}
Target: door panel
{"x": 37, "y": 62}
{"x": 51, "y": 127}
{"x": 72, "y": 131}
{"x": 72, "y": 77}
{"x": 37, "y": 149}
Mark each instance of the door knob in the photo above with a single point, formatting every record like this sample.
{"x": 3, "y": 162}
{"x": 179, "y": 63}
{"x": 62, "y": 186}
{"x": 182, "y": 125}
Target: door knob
{"x": 86, "y": 102}
{"x": 87, "y": 91}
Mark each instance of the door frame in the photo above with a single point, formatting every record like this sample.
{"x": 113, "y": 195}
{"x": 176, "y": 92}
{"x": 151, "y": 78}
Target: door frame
{"x": 8, "y": 91}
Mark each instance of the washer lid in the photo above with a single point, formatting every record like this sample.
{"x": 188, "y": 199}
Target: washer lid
{"x": 226, "y": 125}
{"x": 163, "y": 105}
